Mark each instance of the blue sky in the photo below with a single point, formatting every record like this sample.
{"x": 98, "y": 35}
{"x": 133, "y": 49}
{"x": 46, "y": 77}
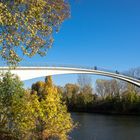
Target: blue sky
{"x": 105, "y": 33}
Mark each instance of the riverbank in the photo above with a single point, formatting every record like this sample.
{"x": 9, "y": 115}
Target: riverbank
{"x": 111, "y": 97}
{"x": 105, "y": 112}
{"x": 108, "y": 108}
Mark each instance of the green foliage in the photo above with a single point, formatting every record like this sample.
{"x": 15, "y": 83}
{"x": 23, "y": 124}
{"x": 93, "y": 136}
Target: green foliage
{"x": 70, "y": 91}
{"x": 28, "y": 115}
{"x": 28, "y": 25}
{"x": 17, "y": 113}
{"x": 111, "y": 97}
{"x": 77, "y": 96}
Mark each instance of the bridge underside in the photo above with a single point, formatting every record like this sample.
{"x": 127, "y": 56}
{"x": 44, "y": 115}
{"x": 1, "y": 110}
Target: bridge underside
{"x": 26, "y": 73}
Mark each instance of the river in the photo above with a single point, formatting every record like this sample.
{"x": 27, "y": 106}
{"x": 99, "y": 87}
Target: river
{"x": 105, "y": 127}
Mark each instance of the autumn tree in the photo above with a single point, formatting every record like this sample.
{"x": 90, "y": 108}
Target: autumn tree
{"x": 86, "y": 91}
{"x": 28, "y": 26}
{"x": 85, "y": 84}
{"x": 84, "y": 80}
{"x": 17, "y": 109}
{"x": 57, "y": 121}
{"x": 107, "y": 88}
{"x": 135, "y": 73}
{"x": 70, "y": 93}
{"x": 60, "y": 90}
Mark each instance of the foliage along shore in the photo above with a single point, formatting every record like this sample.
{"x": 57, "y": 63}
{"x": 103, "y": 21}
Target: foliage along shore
{"x": 109, "y": 97}
{"x": 35, "y": 114}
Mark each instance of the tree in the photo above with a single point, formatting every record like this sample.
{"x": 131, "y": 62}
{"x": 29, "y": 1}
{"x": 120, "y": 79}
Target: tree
{"x": 135, "y": 73}
{"x": 107, "y": 88}
{"x": 85, "y": 99}
{"x": 60, "y": 90}
{"x": 70, "y": 93}
{"x": 28, "y": 25}
{"x": 84, "y": 80}
{"x": 86, "y": 91}
{"x": 57, "y": 121}
{"x": 85, "y": 84}
{"x": 17, "y": 109}
{"x": 30, "y": 116}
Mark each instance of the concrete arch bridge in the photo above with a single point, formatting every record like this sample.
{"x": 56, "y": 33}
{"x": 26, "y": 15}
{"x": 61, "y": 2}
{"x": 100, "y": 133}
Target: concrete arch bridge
{"x": 26, "y": 73}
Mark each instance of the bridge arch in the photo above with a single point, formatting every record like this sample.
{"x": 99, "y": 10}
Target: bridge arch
{"x": 26, "y": 73}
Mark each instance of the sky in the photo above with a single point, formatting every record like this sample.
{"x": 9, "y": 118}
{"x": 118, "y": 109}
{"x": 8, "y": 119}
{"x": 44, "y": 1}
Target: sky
{"x": 104, "y": 33}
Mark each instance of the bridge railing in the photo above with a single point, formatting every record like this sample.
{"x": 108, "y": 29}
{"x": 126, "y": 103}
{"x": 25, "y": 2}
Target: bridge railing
{"x": 125, "y": 73}
{"x": 42, "y": 64}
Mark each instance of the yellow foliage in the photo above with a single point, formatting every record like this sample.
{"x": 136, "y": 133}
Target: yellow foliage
{"x": 39, "y": 114}
{"x": 30, "y": 23}
{"x": 58, "y": 122}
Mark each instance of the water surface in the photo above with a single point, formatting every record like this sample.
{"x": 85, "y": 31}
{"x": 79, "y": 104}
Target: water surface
{"x": 106, "y": 127}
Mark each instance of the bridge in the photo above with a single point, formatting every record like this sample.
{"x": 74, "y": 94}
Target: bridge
{"x": 26, "y": 73}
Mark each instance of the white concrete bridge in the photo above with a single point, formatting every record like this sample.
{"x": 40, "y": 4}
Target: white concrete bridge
{"x": 26, "y": 73}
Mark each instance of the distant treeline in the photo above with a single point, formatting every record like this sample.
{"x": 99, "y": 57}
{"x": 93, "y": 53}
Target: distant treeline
{"x": 109, "y": 96}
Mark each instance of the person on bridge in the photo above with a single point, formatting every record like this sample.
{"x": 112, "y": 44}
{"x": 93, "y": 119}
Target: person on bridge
{"x": 95, "y": 68}
{"x": 117, "y": 72}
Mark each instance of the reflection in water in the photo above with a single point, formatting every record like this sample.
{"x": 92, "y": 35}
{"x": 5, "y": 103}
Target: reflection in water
{"x": 106, "y": 127}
